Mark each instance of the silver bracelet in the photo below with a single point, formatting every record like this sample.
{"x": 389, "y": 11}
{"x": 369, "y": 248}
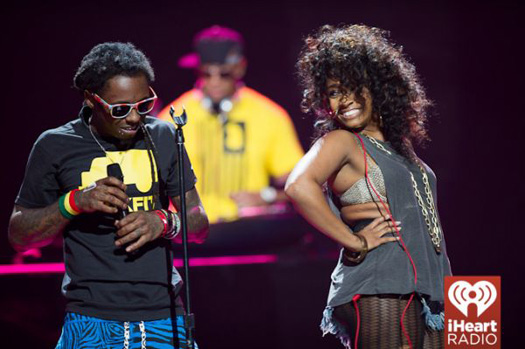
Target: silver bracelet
{"x": 176, "y": 227}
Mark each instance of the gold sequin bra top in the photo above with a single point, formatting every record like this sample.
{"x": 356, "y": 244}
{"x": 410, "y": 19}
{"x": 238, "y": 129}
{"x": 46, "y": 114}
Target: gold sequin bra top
{"x": 360, "y": 192}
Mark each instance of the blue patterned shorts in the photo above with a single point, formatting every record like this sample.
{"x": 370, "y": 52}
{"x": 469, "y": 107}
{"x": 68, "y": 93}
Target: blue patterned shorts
{"x": 86, "y": 332}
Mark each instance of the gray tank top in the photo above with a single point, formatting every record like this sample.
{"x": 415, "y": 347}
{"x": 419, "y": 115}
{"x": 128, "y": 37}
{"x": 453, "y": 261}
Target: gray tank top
{"x": 387, "y": 269}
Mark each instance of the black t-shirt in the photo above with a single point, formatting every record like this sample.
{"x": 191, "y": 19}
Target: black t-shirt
{"x": 102, "y": 280}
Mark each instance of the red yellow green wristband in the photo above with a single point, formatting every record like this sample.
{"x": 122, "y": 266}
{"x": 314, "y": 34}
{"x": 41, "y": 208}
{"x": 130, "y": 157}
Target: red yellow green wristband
{"x": 72, "y": 202}
{"x": 68, "y": 207}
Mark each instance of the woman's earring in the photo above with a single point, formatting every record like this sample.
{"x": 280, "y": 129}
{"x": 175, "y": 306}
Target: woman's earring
{"x": 380, "y": 120}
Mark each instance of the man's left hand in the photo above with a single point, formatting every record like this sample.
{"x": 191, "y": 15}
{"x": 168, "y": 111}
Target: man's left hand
{"x": 138, "y": 228}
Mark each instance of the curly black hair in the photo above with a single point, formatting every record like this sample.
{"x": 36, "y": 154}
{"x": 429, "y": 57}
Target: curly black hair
{"x": 358, "y": 56}
{"x": 110, "y": 59}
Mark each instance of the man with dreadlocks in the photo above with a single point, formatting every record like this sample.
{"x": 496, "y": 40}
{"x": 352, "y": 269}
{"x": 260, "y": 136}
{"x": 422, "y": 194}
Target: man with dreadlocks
{"x": 120, "y": 284}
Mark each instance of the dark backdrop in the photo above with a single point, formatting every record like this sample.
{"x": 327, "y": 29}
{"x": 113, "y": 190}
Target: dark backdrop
{"x": 468, "y": 53}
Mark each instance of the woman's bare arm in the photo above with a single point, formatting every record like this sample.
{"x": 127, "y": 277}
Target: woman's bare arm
{"x": 304, "y": 187}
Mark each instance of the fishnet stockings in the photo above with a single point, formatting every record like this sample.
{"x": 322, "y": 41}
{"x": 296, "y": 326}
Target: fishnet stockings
{"x": 380, "y": 327}
{"x": 434, "y": 339}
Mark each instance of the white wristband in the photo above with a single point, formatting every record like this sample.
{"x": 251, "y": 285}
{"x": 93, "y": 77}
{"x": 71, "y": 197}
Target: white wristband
{"x": 268, "y": 194}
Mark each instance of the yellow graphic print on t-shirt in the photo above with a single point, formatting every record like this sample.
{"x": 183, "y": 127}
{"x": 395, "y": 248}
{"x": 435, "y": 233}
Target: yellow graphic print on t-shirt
{"x": 136, "y": 169}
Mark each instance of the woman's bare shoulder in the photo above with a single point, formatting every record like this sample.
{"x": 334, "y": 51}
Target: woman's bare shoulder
{"x": 338, "y": 139}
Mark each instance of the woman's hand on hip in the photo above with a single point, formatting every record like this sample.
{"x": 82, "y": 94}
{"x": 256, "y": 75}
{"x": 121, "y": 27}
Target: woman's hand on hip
{"x": 375, "y": 232}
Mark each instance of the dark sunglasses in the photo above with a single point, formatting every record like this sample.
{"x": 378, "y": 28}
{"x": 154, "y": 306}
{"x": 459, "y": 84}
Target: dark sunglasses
{"x": 223, "y": 74}
{"x": 121, "y": 110}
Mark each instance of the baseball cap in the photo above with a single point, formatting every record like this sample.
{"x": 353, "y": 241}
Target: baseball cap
{"x": 216, "y": 44}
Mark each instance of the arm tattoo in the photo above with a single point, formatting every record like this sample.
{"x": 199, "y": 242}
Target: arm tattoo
{"x": 34, "y": 227}
{"x": 198, "y": 225}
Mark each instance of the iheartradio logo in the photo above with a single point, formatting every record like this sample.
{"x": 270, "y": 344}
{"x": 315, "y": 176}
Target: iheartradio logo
{"x": 481, "y": 329}
{"x": 461, "y": 294}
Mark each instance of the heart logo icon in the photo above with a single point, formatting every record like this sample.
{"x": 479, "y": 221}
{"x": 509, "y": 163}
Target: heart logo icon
{"x": 462, "y": 294}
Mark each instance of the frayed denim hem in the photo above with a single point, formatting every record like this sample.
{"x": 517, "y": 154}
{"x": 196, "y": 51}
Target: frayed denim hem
{"x": 330, "y": 325}
{"x": 435, "y": 322}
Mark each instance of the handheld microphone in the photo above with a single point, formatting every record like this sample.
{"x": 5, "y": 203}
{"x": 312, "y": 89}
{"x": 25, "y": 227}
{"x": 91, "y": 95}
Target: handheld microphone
{"x": 114, "y": 170}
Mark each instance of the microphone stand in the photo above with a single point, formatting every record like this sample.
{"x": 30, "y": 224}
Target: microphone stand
{"x": 189, "y": 319}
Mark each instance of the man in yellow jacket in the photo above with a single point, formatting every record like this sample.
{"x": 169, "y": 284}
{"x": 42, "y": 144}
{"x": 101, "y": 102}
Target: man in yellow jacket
{"x": 242, "y": 144}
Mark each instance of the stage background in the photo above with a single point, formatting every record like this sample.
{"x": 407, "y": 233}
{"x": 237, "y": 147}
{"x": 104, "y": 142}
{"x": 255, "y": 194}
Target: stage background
{"x": 469, "y": 55}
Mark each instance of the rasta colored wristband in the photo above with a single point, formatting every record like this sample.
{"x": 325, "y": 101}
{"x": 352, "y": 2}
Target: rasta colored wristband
{"x": 67, "y": 205}
{"x": 62, "y": 209}
{"x": 72, "y": 202}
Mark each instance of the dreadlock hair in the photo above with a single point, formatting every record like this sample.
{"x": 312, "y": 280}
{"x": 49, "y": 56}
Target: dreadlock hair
{"x": 358, "y": 56}
{"x": 110, "y": 59}
{"x": 153, "y": 156}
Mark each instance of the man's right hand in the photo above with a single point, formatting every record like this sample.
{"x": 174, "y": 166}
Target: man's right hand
{"x": 105, "y": 195}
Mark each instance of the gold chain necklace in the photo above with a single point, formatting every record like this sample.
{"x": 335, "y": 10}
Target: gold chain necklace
{"x": 103, "y": 149}
{"x": 377, "y": 144}
{"x": 428, "y": 210}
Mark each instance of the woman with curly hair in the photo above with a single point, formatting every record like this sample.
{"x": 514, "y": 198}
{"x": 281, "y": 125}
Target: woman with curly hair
{"x": 387, "y": 288}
